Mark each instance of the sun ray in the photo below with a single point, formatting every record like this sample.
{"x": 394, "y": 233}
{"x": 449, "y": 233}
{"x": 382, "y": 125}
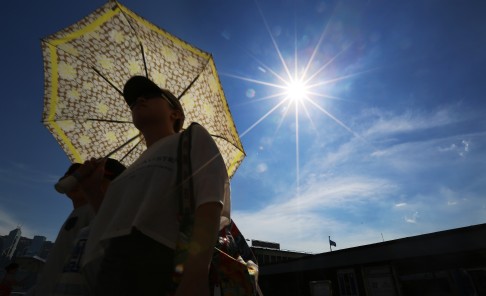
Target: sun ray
{"x": 284, "y": 115}
{"x": 308, "y": 114}
{"x": 272, "y": 96}
{"x": 324, "y": 66}
{"x": 297, "y": 150}
{"x": 324, "y": 82}
{"x": 261, "y": 119}
{"x": 326, "y": 96}
{"x": 253, "y": 80}
{"x": 274, "y": 42}
{"x": 336, "y": 120}
{"x": 267, "y": 68}
{"x": 316, "y": 48}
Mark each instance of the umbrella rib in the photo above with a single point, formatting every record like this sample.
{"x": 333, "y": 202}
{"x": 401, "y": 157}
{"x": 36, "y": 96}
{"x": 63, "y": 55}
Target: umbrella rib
{"x": 92, "y": 67}
{"x": 125, "y": 144}
{"x": 139, "y": 41}
{"x": 108, "y": 120}
{"x": 106, "y": 79}
{"x": 143, "y": 56}
{"x": 131, "y": 150}
{"x": 193, "y": 81}
{"x": 223, "y": 138}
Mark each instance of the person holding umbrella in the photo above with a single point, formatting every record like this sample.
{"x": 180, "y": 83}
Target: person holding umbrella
{"x": 136, "y": 228}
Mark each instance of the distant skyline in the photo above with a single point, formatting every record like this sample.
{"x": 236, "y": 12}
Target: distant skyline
{"x": 382, "y": 133}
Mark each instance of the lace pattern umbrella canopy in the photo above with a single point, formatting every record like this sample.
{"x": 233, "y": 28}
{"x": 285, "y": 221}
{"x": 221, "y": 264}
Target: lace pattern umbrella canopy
{"x": 86, "y": 66}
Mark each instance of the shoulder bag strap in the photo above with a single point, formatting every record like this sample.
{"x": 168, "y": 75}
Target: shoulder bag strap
{"x": 184, "y": 175}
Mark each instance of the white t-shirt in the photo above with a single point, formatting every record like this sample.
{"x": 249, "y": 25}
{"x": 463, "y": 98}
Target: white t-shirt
{"x": 144, "y": 196}
{"x": 61, "y": 251}
{"x": 71, "y": 281}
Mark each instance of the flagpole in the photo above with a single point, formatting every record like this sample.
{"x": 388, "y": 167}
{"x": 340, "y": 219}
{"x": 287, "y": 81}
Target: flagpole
{"x": 330, "y": 244}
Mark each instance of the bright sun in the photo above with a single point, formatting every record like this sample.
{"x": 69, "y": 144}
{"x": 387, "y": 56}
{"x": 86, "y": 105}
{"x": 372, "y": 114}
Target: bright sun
{"x": 296, "y": 90}
{"x": 303, "y": 88}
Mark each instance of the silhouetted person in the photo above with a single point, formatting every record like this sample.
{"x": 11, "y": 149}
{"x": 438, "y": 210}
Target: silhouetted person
{"x": 136, "y": 228}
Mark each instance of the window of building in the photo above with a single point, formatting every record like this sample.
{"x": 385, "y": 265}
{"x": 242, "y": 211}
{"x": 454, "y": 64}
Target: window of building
{"x": 347, "y": 283}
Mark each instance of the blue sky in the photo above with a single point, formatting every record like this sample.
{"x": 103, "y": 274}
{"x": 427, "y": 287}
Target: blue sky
{"x": 388, "y": 142}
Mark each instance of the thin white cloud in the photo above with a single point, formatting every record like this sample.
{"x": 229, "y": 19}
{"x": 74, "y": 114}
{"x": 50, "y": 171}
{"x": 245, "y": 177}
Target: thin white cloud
{"x": 409, "y": 156}
{"x": 412, "y": 218}
{"x": 297, "y": 222}
{"x": 460, "y": 147}
{"x": 9, "y": 223}
{"x": 22, "y": 173}
{"x": 352, "y": 177}
{"x": 440, "y": 209}
{"x": 387, "y": 123}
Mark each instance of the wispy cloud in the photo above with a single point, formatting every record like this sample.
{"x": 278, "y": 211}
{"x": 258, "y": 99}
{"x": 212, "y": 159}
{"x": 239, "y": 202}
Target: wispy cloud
{"x": 461, "y": 148}
{"x": 299, "y": 222}
{"x": 354, "y": 192}
{"x": 388, "y": 123}
{"x": 338, "y": 208}
{"x": 25, "y": 174}
{"x": 412, "y": 218}
{"x": 9, "y": 223}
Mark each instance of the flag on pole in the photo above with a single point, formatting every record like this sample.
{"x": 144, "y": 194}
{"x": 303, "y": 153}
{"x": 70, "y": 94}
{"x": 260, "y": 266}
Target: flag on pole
{"x": 331, "y": 243}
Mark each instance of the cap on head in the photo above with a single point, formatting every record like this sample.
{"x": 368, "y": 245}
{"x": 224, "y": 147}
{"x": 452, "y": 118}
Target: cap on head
{"x": 113, "y": 168}
{"x": 72, "y": 168}
{"x": 138, "y": 86}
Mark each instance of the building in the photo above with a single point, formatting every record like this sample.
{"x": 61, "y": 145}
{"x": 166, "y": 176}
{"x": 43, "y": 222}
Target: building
{"x": 451, "y": 262}
{"x": 10, "y": 243}
{"x": 14, "y": 245}
{"x": 270, "y": 253}
{"x": 46, "y": 248}
{"x": 35, "y": 247}
{"x": 29, "y": 253}
{"x": 22, "y": 246}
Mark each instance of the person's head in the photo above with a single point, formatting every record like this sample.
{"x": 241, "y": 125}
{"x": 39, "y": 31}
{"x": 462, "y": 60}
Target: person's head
{"x": 150, "y": 103}
{"x": 113, "y": 168}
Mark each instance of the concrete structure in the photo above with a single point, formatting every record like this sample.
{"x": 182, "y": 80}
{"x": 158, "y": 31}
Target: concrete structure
{"x": 451, "y": 262}
{"x": 35, "y": 247}
{"x": 14, "y": 245}
{"x": 22, "y": 246}
{"x": 266, "y": 256}
{"x": 10, "y": 243}
{"x": 46, "y": 248}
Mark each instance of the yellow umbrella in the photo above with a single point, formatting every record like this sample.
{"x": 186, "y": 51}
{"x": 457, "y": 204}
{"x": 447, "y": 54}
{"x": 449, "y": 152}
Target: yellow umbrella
{"x": 86, "y": 66}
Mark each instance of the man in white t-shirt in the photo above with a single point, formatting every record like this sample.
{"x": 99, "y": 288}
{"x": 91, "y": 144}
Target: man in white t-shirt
{"x": 136, "y": 227}
{"x": 61, "y": 253}
{"x": 80, "y": 217}
{"x": 71, "y": 281}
